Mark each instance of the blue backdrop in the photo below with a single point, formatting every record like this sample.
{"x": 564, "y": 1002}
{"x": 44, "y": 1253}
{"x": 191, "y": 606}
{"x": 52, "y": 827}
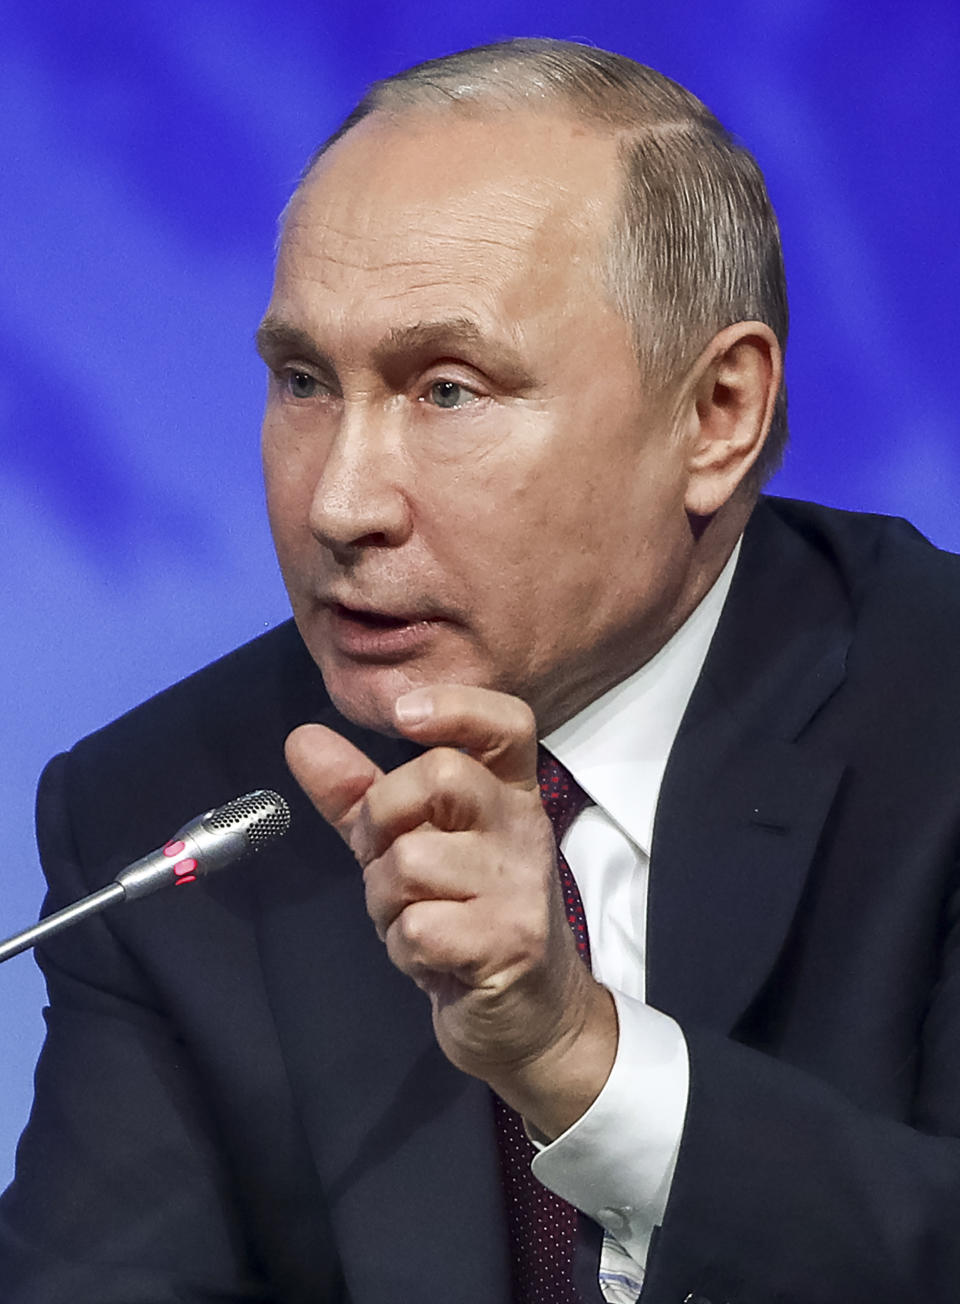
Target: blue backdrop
{"x": 145, "y": 151}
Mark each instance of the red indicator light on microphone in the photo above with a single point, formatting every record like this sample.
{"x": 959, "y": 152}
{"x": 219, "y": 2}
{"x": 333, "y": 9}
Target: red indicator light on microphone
{"x": 174, "y": 848}
{"x": 184, "y": 870}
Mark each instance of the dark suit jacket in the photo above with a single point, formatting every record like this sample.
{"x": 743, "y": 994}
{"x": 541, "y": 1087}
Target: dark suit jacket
{"x": 240, "y": 1099}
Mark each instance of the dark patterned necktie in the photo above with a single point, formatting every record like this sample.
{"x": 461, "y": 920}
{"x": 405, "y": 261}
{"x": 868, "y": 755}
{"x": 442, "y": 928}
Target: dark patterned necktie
{"x": 542, "y": 1226}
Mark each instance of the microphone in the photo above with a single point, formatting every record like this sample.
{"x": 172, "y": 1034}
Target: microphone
{"x": 211, "y": 841}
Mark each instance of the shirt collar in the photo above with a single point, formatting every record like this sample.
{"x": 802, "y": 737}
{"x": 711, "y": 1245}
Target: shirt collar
{"x": 617, "y": 747}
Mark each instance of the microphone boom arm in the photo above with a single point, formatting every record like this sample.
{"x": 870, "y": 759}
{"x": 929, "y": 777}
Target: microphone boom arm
{"x": 210, "y": 842}
{"x": 55, "y": 923}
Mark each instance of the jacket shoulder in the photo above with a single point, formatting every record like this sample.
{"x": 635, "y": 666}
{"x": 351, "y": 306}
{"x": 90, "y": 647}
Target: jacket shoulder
{"x": 902, "y": 595}
{"x": 875, "y": 556}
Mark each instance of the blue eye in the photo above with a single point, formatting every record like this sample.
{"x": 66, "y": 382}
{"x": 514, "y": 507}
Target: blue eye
{"x": 300, "y": 384}
{"x": 448, "y": 394}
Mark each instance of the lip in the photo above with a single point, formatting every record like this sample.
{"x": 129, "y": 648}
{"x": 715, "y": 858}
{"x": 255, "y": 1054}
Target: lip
{"x": 368, "y": 634}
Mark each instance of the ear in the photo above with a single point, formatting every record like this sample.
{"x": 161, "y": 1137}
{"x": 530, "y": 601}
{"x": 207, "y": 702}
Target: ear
{"x": 730, "y": 396}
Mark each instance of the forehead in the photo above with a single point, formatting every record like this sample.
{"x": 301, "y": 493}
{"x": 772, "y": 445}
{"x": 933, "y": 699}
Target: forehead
{"x": 513, "y": 209}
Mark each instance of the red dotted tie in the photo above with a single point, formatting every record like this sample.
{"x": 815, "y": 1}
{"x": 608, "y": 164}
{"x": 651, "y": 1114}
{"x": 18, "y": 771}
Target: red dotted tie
{"x": 542, "y": 1226}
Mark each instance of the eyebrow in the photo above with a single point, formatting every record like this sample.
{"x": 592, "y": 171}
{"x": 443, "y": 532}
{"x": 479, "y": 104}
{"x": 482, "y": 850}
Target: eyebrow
{"x": 274, "y": 335}
{"x": 451, "y": 336}
{"x": 446, "y": 336}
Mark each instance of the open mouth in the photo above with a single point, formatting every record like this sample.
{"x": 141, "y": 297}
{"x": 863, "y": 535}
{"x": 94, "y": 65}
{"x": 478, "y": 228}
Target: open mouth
{"x": 374, "y": 619}
{"x": 377, "y": 635}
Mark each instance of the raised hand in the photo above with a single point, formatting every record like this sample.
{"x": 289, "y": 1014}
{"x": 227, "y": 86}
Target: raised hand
{"x": 459, "y": 867}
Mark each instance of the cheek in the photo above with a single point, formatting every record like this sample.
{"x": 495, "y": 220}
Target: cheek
{"x": 292, "y": 540}
{"x": 288, "y": 478}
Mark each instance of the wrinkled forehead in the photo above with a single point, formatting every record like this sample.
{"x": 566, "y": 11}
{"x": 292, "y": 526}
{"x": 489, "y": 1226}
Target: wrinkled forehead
{"x": 518, "y": 190}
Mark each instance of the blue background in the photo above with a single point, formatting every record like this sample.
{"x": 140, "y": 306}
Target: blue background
{"x": 145, "y": 152}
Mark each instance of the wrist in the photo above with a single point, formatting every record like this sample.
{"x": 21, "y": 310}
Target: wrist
{"x": 554, "y": 1089}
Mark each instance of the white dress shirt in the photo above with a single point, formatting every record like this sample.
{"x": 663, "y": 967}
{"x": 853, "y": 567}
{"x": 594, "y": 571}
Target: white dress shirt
{"x": 617, "y": 1161}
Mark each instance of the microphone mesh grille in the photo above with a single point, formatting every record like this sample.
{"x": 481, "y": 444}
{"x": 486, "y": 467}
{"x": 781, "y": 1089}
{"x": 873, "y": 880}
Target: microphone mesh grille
{"x": 261, "y": 816}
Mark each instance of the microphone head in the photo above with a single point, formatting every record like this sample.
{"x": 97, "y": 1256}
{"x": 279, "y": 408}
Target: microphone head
{"x": 209, "y": 842}
{"x": 235, "y": 830}
{"x": 259, "y": 817}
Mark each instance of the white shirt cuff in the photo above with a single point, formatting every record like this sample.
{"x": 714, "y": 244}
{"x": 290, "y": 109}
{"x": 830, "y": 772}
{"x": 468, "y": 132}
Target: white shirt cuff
{"x": 616, "y": 1162}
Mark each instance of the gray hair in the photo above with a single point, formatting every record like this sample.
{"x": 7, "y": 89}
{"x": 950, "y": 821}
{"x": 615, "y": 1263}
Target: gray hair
{"x": 695, "y": 246}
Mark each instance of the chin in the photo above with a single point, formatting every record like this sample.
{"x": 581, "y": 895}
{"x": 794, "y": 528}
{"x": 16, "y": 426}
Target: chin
{"x": 366, "y": 697}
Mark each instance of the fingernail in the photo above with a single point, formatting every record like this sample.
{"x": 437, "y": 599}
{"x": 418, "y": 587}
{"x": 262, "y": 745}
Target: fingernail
{"x": 413, "y": 707}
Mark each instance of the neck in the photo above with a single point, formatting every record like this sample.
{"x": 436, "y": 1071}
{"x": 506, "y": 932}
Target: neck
{"x": 713, "y": 542}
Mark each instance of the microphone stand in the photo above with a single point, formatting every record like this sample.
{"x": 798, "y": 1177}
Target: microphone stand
{"x": 55, "y": 923}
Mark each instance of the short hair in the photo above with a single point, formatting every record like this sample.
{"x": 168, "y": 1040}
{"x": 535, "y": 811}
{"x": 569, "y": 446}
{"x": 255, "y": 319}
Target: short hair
{"x": 695, "y": 245}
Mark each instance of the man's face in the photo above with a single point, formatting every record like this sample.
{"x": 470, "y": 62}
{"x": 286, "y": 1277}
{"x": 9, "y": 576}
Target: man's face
{"x": 467, "y": 479}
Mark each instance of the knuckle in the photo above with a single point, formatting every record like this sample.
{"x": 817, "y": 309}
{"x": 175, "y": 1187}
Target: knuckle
{"x": 520, "y": 718}
{"x": 374, "y": 876}
{"x": 445, "y": 769}
{"x": 410, "y": 940}
{"x": 375, "y": 880}
{"x": 411, "y": 929}
{"x": 407, "y": 858}
{"x": 372, "y": 810}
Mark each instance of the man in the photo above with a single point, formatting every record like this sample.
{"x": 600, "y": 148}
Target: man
{"x": 525, "y": 348}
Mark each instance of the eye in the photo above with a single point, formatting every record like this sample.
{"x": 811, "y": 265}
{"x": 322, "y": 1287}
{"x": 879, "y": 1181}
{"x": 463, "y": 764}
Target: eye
{"x": 449, "y": 394}
{"x": 299, "y": 384}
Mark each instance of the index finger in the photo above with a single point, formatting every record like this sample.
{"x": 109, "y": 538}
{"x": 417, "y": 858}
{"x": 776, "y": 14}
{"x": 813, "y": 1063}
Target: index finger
{"x": 496, "y": 729}
{"x": 333, "y": 773}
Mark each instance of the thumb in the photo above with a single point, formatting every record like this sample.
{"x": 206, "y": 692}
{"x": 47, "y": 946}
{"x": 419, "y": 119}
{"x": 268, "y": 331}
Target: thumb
{"x": 333, "y": 773}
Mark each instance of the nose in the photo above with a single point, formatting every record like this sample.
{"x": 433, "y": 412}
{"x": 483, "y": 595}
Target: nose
{"x": 360, "y": 499}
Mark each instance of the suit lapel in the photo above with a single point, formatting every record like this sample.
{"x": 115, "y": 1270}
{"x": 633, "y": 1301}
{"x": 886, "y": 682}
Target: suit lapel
{"x": 745, "y": 797}
{"x": 404, "y": 1143}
